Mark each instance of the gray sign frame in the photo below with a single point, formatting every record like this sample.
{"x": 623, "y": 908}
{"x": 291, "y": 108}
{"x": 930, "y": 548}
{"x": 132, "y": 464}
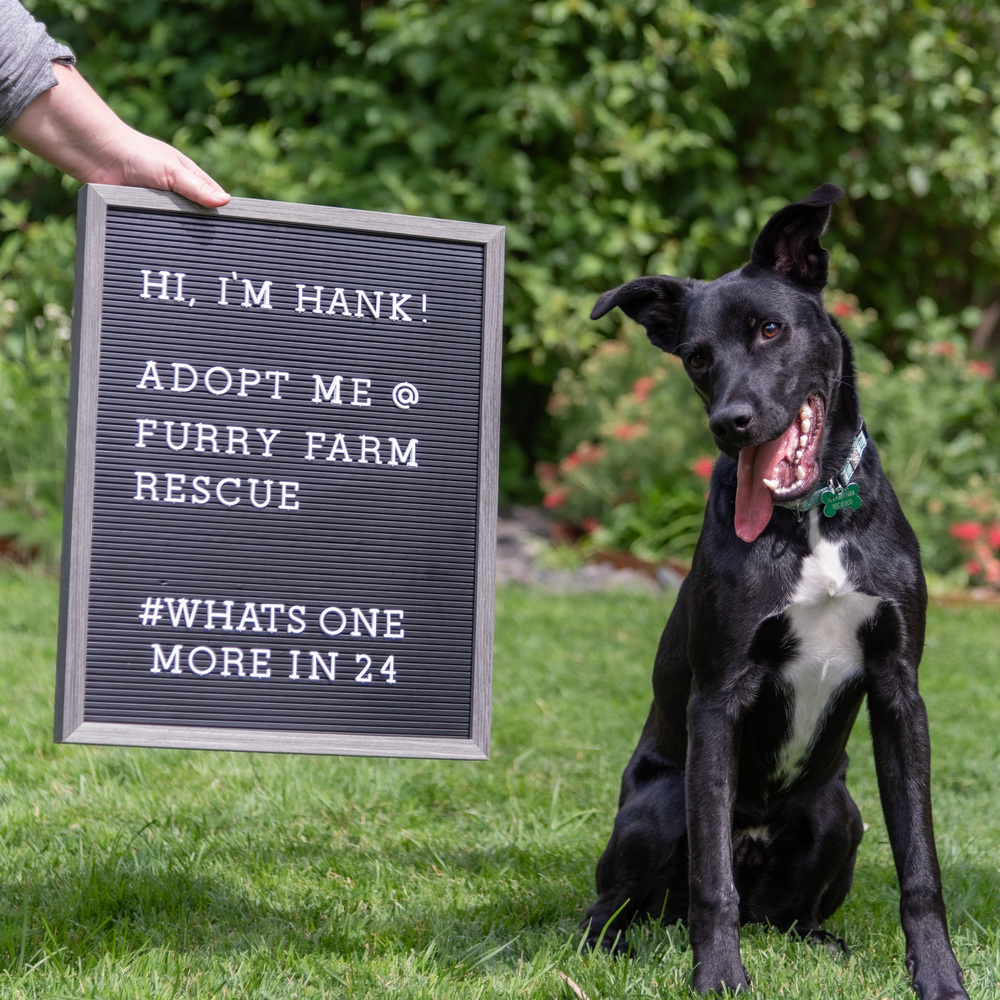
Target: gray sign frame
{"x": 101, "y": 204}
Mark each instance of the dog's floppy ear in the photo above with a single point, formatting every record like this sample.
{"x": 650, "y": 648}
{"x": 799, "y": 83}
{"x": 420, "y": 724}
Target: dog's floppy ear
{"x": 789, "y": 243}
{"x": 653, "y": 302}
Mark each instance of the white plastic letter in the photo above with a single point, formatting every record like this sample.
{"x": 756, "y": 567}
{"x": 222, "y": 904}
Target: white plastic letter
{"x": 408, "y": 457}
{"x": 149, "y": 372}
{"x": 145, "y": 481}
{"x": 261, "y": 299}
{"x": 165, "y": 664}
{"x": 144, "y": 423}
{"x": 331, "y": 395}
{"x": 315, "y": 296}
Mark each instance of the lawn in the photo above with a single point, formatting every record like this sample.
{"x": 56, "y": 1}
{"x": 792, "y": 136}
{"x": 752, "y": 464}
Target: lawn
{"x": 128, "y": 873}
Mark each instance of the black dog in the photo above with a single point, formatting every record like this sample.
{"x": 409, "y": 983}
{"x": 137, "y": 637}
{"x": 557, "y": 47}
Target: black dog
{"x": 806, "y": 595}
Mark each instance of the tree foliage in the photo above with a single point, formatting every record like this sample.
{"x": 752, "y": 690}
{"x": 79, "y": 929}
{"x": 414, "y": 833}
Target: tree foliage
{"x": 611, "y": 139}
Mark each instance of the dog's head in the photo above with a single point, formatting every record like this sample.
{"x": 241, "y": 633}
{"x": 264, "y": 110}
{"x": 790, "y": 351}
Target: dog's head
{"x": 761, "y": 352}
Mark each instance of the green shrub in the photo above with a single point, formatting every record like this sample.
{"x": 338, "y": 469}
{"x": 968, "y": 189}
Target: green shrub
{"x": 36, "y": 265}
{"x": 936, "y": 418}
{"x": 636, "y": 450}
{"x": 635, "y": 441}
{"x": 610, "y": 139}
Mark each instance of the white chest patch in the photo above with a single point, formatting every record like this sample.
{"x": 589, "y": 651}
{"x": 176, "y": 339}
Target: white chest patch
{"x": 825, "y": 613}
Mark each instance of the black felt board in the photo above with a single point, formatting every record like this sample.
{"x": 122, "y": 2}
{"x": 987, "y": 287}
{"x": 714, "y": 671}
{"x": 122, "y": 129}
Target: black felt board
{"x": 281, "y": 490}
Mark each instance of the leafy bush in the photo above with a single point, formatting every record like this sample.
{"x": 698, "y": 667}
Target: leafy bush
{"x": 981, "y": 542}
{"x": 34, "y": 383}
{"x": 636, "y": 441}
{"x": 936, "y": 418}
{"x": 629, "y": 137}
{"x": 636, "y": 450}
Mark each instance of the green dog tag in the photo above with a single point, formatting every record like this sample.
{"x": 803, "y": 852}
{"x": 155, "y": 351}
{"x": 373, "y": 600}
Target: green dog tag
{"x": 833, "y": 502}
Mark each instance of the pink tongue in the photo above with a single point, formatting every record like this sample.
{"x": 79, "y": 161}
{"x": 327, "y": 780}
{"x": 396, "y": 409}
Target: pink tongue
{"x": 754, "y": 501}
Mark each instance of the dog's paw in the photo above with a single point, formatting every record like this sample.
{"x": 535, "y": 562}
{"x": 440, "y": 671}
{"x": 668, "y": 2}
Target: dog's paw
{"x": 951, "y": 992}
{"x": 710, "y": 978}
{"x": 940, "y": 991}
{"x": 936, "y": 983}
{"x": 611, "y": 943}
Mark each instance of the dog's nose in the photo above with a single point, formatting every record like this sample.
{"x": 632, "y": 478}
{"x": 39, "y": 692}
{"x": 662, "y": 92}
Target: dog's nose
{"x": 731, "y": 422}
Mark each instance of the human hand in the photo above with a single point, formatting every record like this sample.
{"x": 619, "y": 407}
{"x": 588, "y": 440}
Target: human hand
{"x": 139, "y": 160}
{"x": 72, "y": 128}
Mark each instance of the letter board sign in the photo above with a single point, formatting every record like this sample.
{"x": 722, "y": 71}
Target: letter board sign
{"x": 281, "y": 479}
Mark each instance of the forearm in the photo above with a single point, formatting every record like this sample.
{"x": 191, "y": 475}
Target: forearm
{"x": 72, "y": 128}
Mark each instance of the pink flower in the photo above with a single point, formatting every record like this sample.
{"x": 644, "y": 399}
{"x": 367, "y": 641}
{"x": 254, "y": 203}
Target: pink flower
{"x": 993, "y": 537}
{"x": 973, "y": 568}
{"x": 571, "y": 461}
{"x": 702, "y": 467}
{"x": 625, "y": 432}
{"x": 982, "y": 368}
{"x": 966, "y": 531}
{"x": 556, "y": 498}
{"x": 642, "y": 387}
{"x": 842, "y": 309}
{"x": 943, "y": 348}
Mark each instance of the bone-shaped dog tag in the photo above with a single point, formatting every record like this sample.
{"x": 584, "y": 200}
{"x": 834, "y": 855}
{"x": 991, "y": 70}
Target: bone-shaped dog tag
{"x": 834, "y": 501}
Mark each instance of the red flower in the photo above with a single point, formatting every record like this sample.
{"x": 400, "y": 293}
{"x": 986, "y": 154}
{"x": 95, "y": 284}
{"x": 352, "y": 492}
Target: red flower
{"x": 842, "y": 309}
{"x": 571, "y": 461}
{"x": 702, "y": 467}
{"x": 993, "y": 537}
{"x": 942, "y": 347}
{"x": 642, "y": 387}
{"x": 625, "y": 432}
{"x": 555, "y": 499}
{"x": 973, "y": 568}
{"x": 966, "y": 531}
{"x": 982, "y": 368}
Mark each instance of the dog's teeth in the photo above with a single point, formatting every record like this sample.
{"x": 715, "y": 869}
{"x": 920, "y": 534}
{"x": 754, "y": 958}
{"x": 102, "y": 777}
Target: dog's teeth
{"x": 800, "y": 474}
{"x": 806, "y": 425}
{"x": 803, "y": 441}
{"x": 771, "y": 484}
{"x": 805, "y": 411}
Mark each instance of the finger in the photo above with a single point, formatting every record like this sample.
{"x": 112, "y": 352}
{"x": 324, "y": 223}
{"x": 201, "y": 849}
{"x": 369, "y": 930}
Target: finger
{"x": 190, "y": 181}
{"x": 202, "y": 190}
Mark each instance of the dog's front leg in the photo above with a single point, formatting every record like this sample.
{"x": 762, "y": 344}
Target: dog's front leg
{"x": 714, "y": 909}
{"x": 902, "y": 760}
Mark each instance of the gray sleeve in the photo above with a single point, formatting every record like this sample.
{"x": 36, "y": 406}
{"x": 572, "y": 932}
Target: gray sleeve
{"x": 26, "y": 56}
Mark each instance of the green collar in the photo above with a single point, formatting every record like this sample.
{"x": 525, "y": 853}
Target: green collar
{"x": 839, "y": 483}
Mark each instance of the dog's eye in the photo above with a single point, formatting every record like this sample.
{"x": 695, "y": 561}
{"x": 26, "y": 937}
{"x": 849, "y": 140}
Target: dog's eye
{"x": 695, "y": 362}
{"x": 771, "y": 329}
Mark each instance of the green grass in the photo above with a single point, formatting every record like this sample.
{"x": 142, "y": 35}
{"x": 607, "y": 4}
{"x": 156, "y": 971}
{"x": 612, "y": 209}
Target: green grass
{"x": 128, "y": 873}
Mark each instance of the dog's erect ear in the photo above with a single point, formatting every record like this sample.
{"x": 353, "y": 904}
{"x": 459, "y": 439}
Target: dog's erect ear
{"x": 653, "y": 302}
{"x": 789, "y": 243}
